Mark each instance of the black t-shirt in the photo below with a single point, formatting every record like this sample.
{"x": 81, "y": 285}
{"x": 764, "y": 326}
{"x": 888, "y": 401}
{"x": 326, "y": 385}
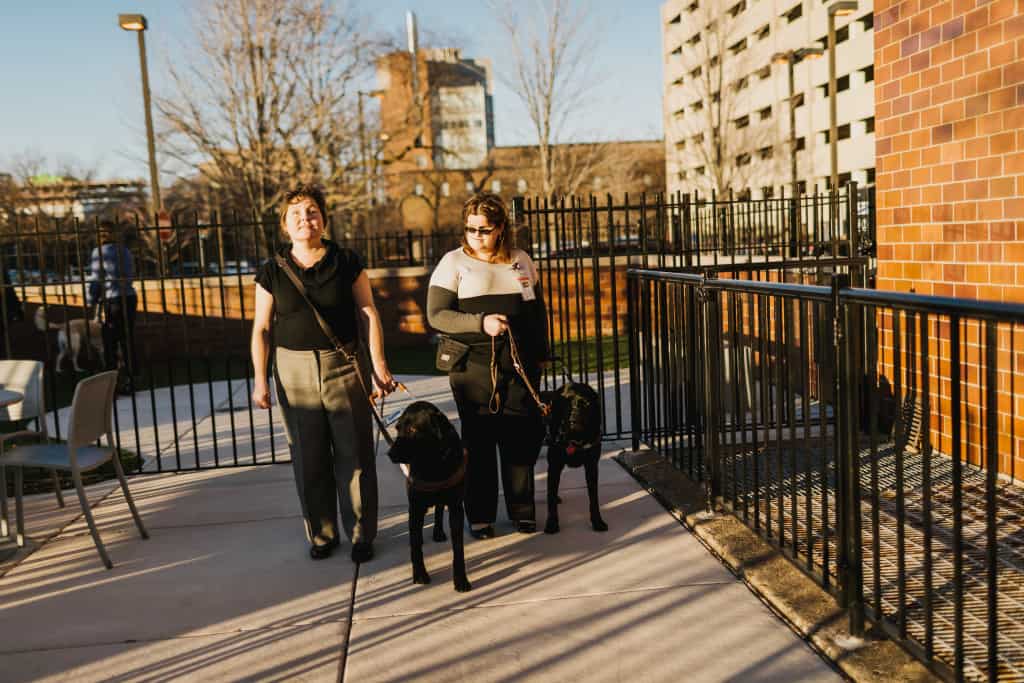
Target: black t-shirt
{"x": 328, "y": 285}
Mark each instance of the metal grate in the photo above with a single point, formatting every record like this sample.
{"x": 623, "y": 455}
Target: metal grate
{"x": 784, "y": 478}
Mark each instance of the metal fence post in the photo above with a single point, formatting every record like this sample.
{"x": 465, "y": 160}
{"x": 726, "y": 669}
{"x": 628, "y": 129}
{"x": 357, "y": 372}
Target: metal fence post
{"x": 634, "y": 362}
{"x": 794, "y": 215}
{"x": 711, "y": 333}
{"x": 846, "y": 333}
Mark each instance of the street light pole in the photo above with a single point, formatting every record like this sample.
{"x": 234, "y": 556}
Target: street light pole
{"x": 791, "y": 57}
{"x": 138, "y": 24}
{"x": 836, "y": 8}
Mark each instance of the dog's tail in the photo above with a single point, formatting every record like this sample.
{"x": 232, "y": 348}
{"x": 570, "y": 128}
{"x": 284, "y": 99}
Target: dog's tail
{"x": 42, "y": 324}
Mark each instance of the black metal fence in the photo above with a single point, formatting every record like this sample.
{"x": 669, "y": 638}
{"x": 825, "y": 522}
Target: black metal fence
{"x": 194, "y": 285}
{"x": 874, "y": 437}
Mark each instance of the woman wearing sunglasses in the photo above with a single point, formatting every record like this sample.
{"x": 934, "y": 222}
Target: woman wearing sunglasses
{"x": 480, "y": 294}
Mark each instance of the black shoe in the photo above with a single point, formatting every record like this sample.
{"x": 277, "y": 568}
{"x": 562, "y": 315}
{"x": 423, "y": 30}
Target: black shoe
{"x": 323, "y": 551}
{"x": 482, "y": 532}
{"x": 362, "y": 551}
{"x": 526, "y": 526}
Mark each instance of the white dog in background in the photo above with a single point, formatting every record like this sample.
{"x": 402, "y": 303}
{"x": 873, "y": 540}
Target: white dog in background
{"x": 71, "y": 336}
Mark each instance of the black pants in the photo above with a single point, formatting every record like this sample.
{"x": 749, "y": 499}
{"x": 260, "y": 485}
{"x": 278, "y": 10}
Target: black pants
{"x": 119, "y": 332}
{"x": 517, "y": 433}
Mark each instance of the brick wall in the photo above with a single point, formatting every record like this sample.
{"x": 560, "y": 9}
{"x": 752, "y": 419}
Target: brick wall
{"x": 950, "y": 147}
{"x": 950, "y": 186}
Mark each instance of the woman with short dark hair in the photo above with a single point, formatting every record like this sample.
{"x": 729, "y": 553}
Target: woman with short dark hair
{"x": 324, "y": 392}
{"x": 487, "y": 294}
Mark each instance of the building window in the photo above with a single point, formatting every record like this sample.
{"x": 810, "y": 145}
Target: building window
{"x": 867, "y": 21}
{"x": 765, "y": 152}
{"x": 869, "y": 124}
{"x": 698, "y": 138}
{"x": 446, "y": 190}
{"x": 716, "y": 96}
{"x": 842, "y": 34}
{"x": 693, "y": 6}
{"x": 679, "y": 113}
{"x": 743, "y": 159}
{"x": 470, "y": 187}
{"x": 870, "y": 173}
{"x": 496, "y": 186}
{"x": 764, "y": 32}
{"x": 713, "y": 62}
{"x": 678, "y": 81}
{"x": 695, "y": 73}
{"x": 801, "y": 187}
{"x": 699, "y": 170}
{"x": 743, "y": 195}
{"x": 681, "y": 175}
{"x": 844, "y": 178}
{"x": 794, "y": 14}
{"x": 521, "y": 185}
{"x": 743, "y": 122}
{"x": 764, "y": 73}
{"x": 677, "y": 51}
{"x": 681, "y": 144}
{"x": 869, "y": 73}
{"x": 418, "y": 189}
{"x": 694, "y": 39}
{"x": 767, "y": 192}
{"x": 843, "y": 131}
{"x": 697, "y": 106}
{"x": 676, "y": 19}
{"x": 742, "y": 84}
{"x": 798, "y": 100}
{"x": 801, "y": 143}
{"x": 738, "y": 46}
{"x": 737, "y": 8}
{"x": 765, "y": 113}
{"x": 843, "y": 83}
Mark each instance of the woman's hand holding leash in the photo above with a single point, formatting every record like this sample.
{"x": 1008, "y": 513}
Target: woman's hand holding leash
{"x": 495, "y": 324}
{"x": 383, "y": 381}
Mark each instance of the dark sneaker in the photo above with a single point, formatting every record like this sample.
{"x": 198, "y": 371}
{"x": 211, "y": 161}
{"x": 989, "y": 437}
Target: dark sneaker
{"x": 322, "y": 551}
{"x": 526, "y": 526}
{"x": 482, "y": 532}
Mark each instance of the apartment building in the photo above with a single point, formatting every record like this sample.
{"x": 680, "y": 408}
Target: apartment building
{"x": 726, "y": 106}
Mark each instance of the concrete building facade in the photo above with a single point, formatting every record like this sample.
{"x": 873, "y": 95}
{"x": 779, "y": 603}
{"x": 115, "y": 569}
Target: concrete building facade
{"x": 718, "y": 69}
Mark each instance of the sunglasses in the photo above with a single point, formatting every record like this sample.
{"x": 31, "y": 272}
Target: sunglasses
{"x": 483, "y": 232}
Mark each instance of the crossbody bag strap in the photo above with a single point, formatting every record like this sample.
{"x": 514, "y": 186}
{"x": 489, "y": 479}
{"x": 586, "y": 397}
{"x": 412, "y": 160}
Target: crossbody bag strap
{"x": 336, "y": 343}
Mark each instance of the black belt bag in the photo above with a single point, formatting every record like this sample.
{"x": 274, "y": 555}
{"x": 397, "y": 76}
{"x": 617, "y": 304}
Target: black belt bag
{"x": 450, "y": 352}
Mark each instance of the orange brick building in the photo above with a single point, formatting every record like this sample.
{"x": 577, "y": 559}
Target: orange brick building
{"x": 949, "y": 114}
{"x": 950, "y": 147}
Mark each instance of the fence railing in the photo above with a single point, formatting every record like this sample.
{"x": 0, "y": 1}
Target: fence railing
{"x": 874, "y": 437}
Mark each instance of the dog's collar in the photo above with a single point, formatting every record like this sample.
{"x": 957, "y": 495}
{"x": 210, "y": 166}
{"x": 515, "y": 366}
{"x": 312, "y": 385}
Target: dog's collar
{"x": 434, "y": 486}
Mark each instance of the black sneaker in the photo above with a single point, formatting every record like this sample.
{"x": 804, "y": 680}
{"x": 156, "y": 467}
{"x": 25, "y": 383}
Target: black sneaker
{"x": 526, "y": 526}
{"x": 323, "y": 551}
{"x": 482, "y": 532}
{"x": 362, "y": 551}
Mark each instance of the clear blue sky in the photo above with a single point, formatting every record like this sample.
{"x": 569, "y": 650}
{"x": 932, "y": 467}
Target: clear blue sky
{"x": 70, "y": 76}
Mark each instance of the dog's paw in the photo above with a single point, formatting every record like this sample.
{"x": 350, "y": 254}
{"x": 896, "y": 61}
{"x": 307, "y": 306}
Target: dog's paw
{"x": 439, "y": 535}
{"x": 462, "y": 584}
{"x": 598, "y": 524}
{"x": 552, "y": 526}
{"x": 420, "y": 575}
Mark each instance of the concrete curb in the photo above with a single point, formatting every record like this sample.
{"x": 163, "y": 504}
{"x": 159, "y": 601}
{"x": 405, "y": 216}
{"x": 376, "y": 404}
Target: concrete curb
{"x": 791, "y": 594}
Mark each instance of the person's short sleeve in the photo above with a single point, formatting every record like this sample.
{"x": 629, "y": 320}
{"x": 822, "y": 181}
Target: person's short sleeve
{"x": 446, "y": 274}
{"x": 531, "y": 267}
{"x": 350, "y": 264}
{"x": 265, "y": 275}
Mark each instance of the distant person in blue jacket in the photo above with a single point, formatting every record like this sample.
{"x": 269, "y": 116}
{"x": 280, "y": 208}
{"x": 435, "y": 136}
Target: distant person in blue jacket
{"x": 111, "y": 287}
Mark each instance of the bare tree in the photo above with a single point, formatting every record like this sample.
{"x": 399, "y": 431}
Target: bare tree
{"x": 550, "y": 41}
{"x": 718, "y": 129}
{"x": 269, "y": 99}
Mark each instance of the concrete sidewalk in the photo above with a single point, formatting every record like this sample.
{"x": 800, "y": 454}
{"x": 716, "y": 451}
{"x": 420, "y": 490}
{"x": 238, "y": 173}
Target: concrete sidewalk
{"x": 224, "y": 590}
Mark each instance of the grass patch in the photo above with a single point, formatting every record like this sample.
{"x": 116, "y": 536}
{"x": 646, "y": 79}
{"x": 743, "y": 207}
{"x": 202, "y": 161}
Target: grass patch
{"x": 585, "y": 352}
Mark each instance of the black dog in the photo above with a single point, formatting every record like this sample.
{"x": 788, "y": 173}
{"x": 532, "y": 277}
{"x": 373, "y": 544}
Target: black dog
{"x": 429, "y": 444}
{"x": 574, "y": 439}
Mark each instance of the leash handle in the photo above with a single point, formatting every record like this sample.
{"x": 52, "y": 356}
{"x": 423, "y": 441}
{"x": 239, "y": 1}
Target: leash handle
{"x": 494, "y": 405}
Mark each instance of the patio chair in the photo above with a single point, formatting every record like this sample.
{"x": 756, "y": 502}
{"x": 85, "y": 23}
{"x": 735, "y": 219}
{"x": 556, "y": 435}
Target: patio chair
{"x": 91, "y": 416}
{"x": 25, "y": 377}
